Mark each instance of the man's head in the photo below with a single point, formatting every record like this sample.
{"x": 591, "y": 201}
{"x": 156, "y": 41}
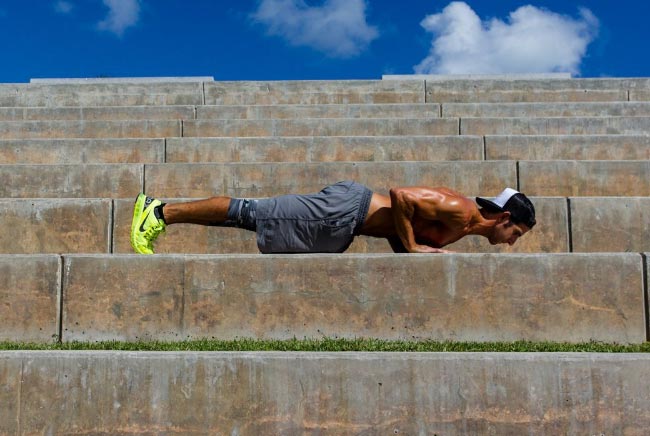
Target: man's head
{"x": 513, "y": 213}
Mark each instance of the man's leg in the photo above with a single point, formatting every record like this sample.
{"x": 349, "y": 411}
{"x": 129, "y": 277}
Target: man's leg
{"x": 151, "y": 217}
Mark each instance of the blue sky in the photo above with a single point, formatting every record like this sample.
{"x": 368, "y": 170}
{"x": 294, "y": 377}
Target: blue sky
{"x": 320, "y": 39}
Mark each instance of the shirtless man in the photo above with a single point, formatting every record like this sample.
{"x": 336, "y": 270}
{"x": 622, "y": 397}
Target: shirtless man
{"x": 412, "y": 219}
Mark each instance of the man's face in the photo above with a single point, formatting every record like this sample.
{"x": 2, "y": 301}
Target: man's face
{"x": 507, "y": 232}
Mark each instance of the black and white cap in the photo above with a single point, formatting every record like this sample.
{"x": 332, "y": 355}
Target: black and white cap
{"x": 520, "y": 207}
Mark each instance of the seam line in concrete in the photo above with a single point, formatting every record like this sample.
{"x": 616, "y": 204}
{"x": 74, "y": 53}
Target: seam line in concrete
{"x": 111, "y": 223}
{"x": 142, "y": 184}
{"x": 569, "y": 224}
{"x": 182, "y": 127}
{"x": 203, "y": 93}
{"x": 20, "y": 397}
{"x": 460, "y": 120}
{"x": 165, "y": 150}
{"x": 517, "y": 175}
{"x": 646, "y": 297}
{"x": 484, "y": 148}
{"x": 440, "y": 111}
{"x": 59, "y": 314}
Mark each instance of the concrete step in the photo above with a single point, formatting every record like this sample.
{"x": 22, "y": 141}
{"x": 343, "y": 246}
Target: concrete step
{"x": 324, "y": 149}
{"x": 71, "y": 181}
{"x": 555, "y": 126}
{"x": 556, "y": 297}
{"x": 254, "y": 112}
{"x": 550, "y": 235}
{"x": 266, "y": 179}
{"x": 503, "y": 91}
{"x": 567, "y": 147}
{"x": 314, "y": 92}
{"x": 559, "y": 297}
{"x": 102, "y": 113}
{"x": 321, "y": 127}
{"x": 89, "y": 129}
{"x": 101, "y": 94}
{"x": 297, "y": 111}
{"x": 81, "y": 151}
{"x": 193, "y": 180}
{"x": 324, "y": 393}
{"x": 596, "y": 224}
{"x": 585, "y": 178}
{"x": 571, "y": 109}
{"x": 40, "y": 226}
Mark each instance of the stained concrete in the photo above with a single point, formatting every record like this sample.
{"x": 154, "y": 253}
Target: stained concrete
{"x": 55, "y": 226}
{"x": 81, "y": 151}
{"x": 555, "y": 126}
{"x": 314, "y": 92}
{"x": 487, "y": 297}
{"x": 89, "y": 129}
{"x": 29, "y": 291}
{"x": 266, "y": 179}
{"x": 585, "y": 178}
{"x": 326, "y": 393}
{"x": 569, "y": 109}
{"x": 567, "y": 147}
{"x": 71, "y": 181}
{"x": 105, "y": 113}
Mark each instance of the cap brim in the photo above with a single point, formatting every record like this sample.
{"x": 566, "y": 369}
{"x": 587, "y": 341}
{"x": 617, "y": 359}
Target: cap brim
{"x": 484, "y": 202}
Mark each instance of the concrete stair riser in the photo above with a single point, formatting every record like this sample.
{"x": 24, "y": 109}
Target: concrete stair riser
{"x": 314, "y": 92}
{"x": 321, "y": 127}
{"x": 124, "y": 113}
{"x": 71, "y": 181}
{"x": 89, "y": 129}
{"x": 562, "y": 147}
{"x": 82, "y": 151}
{"x": 568, "y": 297}
{"x": 325, "y": 149}
{"x": 593, "y": 109}
{"x": 335, "y": 393}
{"x": 267, "y": 179}
{"x": 555, "y": 126}
{"x": 115, "y": 94}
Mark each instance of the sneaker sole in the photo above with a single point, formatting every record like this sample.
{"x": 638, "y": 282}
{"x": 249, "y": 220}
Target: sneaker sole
{"x": 138, "y": 208}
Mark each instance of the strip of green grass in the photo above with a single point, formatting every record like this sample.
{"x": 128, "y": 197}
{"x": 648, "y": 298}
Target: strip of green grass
{"x": 331, "y": 344}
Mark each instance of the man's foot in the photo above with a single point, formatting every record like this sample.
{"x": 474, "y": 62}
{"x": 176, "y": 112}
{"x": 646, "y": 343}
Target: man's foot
{"x": 146, "y": 224}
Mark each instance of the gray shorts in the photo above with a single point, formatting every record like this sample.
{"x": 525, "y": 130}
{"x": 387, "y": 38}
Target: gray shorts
{"x": 325, "y": 222}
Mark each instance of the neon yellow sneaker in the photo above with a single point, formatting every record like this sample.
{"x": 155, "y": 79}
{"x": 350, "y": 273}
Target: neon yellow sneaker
{"x": 146, "y": 224}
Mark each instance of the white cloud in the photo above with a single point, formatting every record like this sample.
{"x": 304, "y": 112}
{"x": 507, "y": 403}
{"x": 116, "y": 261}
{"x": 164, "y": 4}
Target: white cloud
{"x": 63, "y": 7}
{"x": 337, "y": 28}
{"x": 531, "y": 40}
{"x": 122, "y": 14}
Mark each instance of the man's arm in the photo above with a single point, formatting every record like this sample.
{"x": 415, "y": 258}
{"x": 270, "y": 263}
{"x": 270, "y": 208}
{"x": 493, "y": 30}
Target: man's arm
{"x": 442, "y": 205}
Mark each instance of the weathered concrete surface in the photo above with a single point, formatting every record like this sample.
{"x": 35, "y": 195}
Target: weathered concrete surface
{"x": 55, "y": 226}
{"x": 266, "y": 179}
{"x": 107, "y": 113}
{"x": 555, "y": 126}
{"x": 110, "y": 297}
{"x": 549, "y": 236}
{"x": 293, "y": 111}
{"x": 488, "y": 297}
{"x": 321, "y": 127}
{"x": 315, "y": 92}
{"x": 78, "y": 151}
{"x": 610, "y": 223}
{"x": 71, "y": 181}
{"x": 29, "y": 291}
{"x": 640, "y": 95}
{"x": 89, "y": 129}
{"x": 101, "y": 94}
{"x": 571, "y": 109}
{"x": 325, "y": 149}
{"x": 562, "y": 147}
{"x": 326, "y": 393}
{"x": 498, "y": 91}
{"x": 585, "y": 178}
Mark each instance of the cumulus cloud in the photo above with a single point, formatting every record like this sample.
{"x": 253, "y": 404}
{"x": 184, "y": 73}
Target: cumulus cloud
{"x": 531, "y": 40}
{"x": 337, "y": 28}
{"x": 63, "y": 7}
{"x": 122, "y": 14}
